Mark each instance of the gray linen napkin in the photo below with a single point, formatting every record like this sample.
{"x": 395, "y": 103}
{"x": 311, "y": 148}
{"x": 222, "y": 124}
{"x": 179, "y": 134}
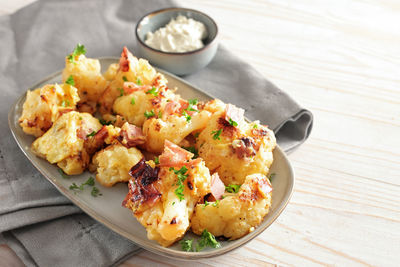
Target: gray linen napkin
{"x": 36, "y": 221}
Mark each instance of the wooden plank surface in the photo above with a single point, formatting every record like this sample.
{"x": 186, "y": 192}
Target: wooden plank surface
{"x": 341, "y": 60}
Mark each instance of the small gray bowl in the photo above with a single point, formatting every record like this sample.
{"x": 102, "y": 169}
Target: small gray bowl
{"x": 177, "y": 63}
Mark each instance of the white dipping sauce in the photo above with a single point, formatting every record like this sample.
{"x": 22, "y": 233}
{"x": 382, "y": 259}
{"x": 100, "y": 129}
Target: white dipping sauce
{"x": 179, "y": 35}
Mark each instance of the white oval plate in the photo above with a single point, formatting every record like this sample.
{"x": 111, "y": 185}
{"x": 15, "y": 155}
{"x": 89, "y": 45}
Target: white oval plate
{"x": 107, "y": 209}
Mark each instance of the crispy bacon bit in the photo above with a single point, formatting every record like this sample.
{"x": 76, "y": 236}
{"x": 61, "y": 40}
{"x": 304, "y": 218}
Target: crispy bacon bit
{"x": 97, "y": 142}
{"x": 190, "y": 185}
{"x": 228, "y": 130}
{"x": 259, "y": 132}
{"x": 171, "y": 108}
{"x": 217, "y": 186}
{"x": 141, "y": 186}
{"x": 234, "y": 113}
{"x": 130, "y": 87}
{"x": 131, "y": 135}
{"x": 245, "y": 147}
{"x": 174, "y": 156}
{"x": 124, "y": 60}
{"x": 264, "y": 187}
{"x": 257, "y": 186}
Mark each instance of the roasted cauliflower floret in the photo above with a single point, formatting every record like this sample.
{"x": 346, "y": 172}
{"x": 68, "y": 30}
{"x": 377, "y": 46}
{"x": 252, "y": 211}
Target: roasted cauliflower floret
{"x": 235, "y": 148}
{"x": 64, "y": 142}
{"x": 114, "y": 162}
{"x": 131, "y": 69}
{"x": 87, "y": 78}
{"x": 236, "y": 214}
{"x": 44, "y": 105}
{"x": 163, "y": 196}
{"x": 173, "y": 128}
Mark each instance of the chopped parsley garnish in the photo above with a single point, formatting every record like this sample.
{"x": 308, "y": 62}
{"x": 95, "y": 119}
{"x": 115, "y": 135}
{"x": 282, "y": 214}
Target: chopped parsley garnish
{"x": 89, "y": 182}
{"x": 255, "y": 126}
{"x": 65, "y": 103}
{"x": 79, "y": 50}
{"x": 271, "y": 176}
{"x": 104, "y": 122}
{"x": 63, "y": 174}
{"x": 149, "y": 114}
{"x": 193, "y": 150}
{"x": 215, "y": 204}
{"x": 187, "y": 245}
{"x": 232, "y": 188}
{"x": 124, "y": 78}
{"x": 173, "y": 203}
{"x": 233, "y": 123}
{"x": 159, "y": 114}
{"x": 133, "y": 101}
{"x": 95, "y": 192}
{"x": 70, "y": 80}
{"x": 153, "y": 91}
{"x": 80, "y": 118}
{"x": 121, "y": 91}
{"x": 192, "y": 102}
{"x": 187, "y": 116}
{"x": 196, "y": 135}
{"x": 181, "y": 178}
{"x": 157, "y": 160}
{"x": 91, "y": 134}
{"x": 216, "y": 134}
{"x": 207, "y": 239}
{"x": 138, "y": 81}
{"x": 206, "y": 203}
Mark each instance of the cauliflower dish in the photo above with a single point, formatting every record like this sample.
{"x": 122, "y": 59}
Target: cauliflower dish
{"x": 188, "y": 165}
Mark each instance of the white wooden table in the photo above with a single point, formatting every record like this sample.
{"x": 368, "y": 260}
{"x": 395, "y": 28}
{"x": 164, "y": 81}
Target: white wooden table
{"x": 341, "y": 60}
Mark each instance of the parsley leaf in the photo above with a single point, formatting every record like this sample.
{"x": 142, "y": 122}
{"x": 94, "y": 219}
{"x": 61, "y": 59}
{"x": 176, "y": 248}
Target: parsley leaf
{"x": 70, "y": 80}
{"x": 133, "y": 101}
{"x": 95, "y": 192}
{"x": 181, "y": 178}
{"x": 153, "y": 91}
{"x": 206, "y": 203}
{"x": 271, "y": 176}
{"x": 192, "y": 102}
{"x": 233, "y": 123}
{"x": 215, "y": 204}
{"x": 63, "y": 174}
{"x": 104, "y": 122}
{"x": 187, "y": 245}
{"x": 138, "y": 81}
{"x": 90, "y": 181}
{"x": 232, "y": 188}
{"x": 159, "y": 114}
{"x": 124, "y": 78}
{"x": 157, "y": 160}
{"x": 193, "y": 150}
{"x": 187, "y": 116}
{"x": 255, "y": 126}
{"x": 207, "y": 239}
{"x": 79, "y": 50}
{"x": 216, "y": 134}
{"x": 121, "y": 91}
{"x": 149, "y": 114}
{"x": 91, "y": 134}
{"x": 65, "y": 103}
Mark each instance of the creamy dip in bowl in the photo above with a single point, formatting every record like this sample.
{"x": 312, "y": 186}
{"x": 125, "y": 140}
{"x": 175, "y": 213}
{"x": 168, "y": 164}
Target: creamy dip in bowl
{"x": 173, "y": 49}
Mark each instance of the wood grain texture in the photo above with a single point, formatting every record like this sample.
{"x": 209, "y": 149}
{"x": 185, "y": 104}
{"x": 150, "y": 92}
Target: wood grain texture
{"x": 341, "y": 60}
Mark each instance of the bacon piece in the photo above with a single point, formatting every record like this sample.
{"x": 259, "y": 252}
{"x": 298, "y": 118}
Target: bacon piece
{"x": 130, "y": 87}
{"x": 97, "y": 142}
{"x": 171, "y": 108}
{"x": 142, "y": 189}
{"x": 131, "y": 135}
{"x": 124, "y": 60}
{"x": 234, "y": 113}
{"x": 264, "y": 187}
{"x": 174, "y": 155}
{"x": 244, "y": 147}
{"x": 217, "y": 186}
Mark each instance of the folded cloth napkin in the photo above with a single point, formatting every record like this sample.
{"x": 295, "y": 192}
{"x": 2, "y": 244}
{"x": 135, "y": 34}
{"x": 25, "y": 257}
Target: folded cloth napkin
{"x": 36, "y": 221}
